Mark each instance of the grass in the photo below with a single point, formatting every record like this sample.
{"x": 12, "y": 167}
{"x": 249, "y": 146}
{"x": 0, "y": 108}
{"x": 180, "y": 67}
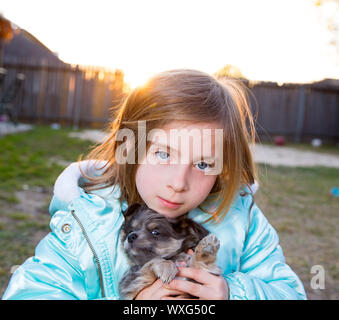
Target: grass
{"x": 31, "y": 158}
{"x": 30, "y": 161}
{"x": 298, "y": 204}
{"x": 296, "y": 201}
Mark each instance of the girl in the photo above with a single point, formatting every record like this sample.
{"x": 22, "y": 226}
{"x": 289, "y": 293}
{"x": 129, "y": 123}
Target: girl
{"x": 142, "y": 162}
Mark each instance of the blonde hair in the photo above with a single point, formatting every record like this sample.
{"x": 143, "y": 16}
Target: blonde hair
{"x": 188, "y": 95}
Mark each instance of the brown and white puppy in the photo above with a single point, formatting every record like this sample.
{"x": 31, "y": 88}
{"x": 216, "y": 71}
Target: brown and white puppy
{"x": 153, "y": 244}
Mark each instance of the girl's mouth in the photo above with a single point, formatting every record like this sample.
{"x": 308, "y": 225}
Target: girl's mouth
{"x": 169, "y": 204}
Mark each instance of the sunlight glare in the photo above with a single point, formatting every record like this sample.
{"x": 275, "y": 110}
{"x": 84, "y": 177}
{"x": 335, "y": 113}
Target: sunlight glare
{"x": 281, "y": 40}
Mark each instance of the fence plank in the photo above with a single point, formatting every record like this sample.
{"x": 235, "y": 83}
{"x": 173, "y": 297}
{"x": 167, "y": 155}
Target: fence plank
{"x": 301, "y": 113}
{"x": 77, "y": 98}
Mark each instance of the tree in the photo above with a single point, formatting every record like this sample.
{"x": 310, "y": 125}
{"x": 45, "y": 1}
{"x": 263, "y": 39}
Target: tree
{"x": 329, "y": 15}
{"x": 229, "y": 71}
{"x": 6, "y": 34}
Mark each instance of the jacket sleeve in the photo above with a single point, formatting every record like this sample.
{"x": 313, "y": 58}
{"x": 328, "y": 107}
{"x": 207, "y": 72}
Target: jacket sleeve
{"x": 263, "y": 273}
{"x": 47, "y": 275}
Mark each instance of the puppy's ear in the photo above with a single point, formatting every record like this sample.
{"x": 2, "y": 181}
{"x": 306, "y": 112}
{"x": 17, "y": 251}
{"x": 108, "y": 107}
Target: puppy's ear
{"x": 194, "y": 233}
{"x": 130, "y": 210}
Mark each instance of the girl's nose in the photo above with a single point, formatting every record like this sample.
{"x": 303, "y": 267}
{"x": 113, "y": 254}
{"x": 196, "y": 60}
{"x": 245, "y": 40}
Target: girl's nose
{"x": 178, "y": 180}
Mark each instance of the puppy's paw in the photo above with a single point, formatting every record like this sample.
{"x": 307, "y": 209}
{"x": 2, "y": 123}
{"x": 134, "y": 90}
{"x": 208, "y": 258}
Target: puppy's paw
{"x": 165, "y": 270}
{"x": 208, "y": 246}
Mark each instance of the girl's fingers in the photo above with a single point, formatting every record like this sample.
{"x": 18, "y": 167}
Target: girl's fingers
{"x": 194, "y": 289}
{"x": 157, "y": 284}
{"x": 176, "y": 298}
{"x": 165, "y": 291}
{"x": 170, "y": 292}
{"x": 207, "y": 286}
{"x": 198, "y": 275}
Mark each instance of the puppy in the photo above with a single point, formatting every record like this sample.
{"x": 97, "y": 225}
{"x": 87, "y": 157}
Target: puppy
{"x": 154, "y": 243}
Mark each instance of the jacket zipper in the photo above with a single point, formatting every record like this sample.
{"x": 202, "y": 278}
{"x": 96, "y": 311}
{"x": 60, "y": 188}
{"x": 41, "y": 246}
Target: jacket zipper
{"x": 93, "y": 251}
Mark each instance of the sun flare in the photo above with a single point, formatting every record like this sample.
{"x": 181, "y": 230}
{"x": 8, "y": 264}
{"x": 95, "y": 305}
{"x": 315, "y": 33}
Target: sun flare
{"x": 282, "y": 40}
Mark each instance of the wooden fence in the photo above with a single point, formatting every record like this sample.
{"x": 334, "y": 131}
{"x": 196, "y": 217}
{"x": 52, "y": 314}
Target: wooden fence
{"x": 300, "y": 112}
{"x": 83, "y": 95}
{"x": 68, "y": 94}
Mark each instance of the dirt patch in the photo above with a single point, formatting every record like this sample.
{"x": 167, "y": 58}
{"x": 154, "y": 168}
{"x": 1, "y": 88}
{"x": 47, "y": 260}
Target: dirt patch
{"x": 91, "y": 135}
{"x": 33, "y": 202}
{"x": 10, "y": 128}
{"x": 291, "y": 157}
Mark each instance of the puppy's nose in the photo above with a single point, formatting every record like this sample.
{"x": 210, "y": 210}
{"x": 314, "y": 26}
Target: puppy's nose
{"x": 132, "y": 236}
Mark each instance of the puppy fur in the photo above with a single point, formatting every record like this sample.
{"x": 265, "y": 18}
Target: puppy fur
{"x": 153, "y": 244}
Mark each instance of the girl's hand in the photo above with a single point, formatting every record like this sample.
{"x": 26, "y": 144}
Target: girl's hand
{"x": 209, "y": 286}
{"x": 156, "y": 291}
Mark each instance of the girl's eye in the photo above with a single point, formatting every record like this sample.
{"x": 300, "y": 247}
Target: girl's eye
{"x": 202, "y": 166}
{"x": 155, "y": 232}
{"x": 162, "y": 155}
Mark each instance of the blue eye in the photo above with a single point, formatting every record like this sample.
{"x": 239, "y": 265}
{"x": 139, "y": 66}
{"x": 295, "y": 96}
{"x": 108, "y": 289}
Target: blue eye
{"x": 162, "y": 155}
{"x": 203, "y": 166}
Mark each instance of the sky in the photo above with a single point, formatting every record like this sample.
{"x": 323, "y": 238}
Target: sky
{"x": 269, "y": 40}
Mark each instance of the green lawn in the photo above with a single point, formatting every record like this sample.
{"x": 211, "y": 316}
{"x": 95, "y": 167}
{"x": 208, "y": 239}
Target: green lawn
{"x": 30, "y": 162}
{"x": 298, "y": 204}
{"x": 296, "y": 201}
{"x": 33, "y": 157}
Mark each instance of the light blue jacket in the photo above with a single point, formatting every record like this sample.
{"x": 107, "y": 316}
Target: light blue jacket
{"x": 81, "y": 258}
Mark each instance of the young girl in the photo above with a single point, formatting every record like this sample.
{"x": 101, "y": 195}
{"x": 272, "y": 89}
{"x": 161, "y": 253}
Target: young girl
{"x": 141, "y": 162}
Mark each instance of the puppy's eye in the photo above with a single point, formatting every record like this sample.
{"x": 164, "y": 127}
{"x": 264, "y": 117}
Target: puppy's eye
{"x": 155, "y": 232}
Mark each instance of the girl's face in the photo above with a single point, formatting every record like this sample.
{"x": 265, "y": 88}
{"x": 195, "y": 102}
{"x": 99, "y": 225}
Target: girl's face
{"x": 177, "y": 177}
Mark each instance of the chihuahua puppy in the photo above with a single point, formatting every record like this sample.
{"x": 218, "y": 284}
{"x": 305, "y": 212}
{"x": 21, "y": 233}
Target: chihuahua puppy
{"x": 154, "y": 243}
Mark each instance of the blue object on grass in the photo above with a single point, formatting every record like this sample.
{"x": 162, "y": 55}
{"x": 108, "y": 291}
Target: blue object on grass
{"x": 335, "y": 191}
